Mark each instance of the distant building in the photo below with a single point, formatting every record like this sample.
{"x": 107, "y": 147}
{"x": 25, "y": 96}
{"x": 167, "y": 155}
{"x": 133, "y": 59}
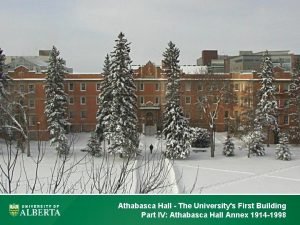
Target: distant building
{"x": 214, "y": 62}
{"x": 37, "y": 64}
{"x": 248, "y": 61}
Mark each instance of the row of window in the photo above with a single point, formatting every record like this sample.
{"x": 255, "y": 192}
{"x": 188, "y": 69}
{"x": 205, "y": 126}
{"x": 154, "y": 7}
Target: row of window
{"x": 142, "y": 100}
{"x": 30, "y": 88}
{"x": 83, "y": 86}
{"x": 141, "y": 87}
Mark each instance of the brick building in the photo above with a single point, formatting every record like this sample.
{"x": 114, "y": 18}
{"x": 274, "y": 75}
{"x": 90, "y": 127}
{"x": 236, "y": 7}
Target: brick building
{"x": 83, "y": 89}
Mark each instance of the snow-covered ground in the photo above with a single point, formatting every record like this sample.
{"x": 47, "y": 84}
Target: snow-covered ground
{"x": 238, "y": 174}
{"x": 198, "y": 174}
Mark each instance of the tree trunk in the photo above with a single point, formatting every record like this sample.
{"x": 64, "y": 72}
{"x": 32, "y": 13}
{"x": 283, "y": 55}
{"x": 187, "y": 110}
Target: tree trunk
{"x": 212, "y": 147}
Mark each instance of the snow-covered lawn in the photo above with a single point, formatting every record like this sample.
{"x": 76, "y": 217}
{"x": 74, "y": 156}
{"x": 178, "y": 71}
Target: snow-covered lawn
{"x": 238, "y": 174}
{"x": 198, "y": 174}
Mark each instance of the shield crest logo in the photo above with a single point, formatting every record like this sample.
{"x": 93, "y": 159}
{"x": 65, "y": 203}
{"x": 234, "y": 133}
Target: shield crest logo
{"x": 13, "y": 209}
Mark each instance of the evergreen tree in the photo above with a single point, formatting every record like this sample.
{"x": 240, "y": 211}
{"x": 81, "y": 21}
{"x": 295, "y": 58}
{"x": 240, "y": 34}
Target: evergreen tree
{"x": 254, "y": 141}
{"x": 3, "y": 77}
{"x": 56, "y": 102}
{"x": 94, "y": 146}
{"x": 104, "y": 100}
{"x": 283, "y": 151}
{"x": 176, "y": 129}
{"x": 121, "y": 121}
{"x": 266, "y": 111}
{"x": 267, "y": 105}
{"x": 228, "y": 149}
{"x": 295, "y": 100}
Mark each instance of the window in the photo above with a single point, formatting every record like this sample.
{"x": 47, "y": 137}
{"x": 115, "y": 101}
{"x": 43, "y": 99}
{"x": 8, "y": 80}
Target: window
{"x": 98, "y": 87}
{"x": 142, "y": 100}
{"x": 285, "y": 87}
{"x": 31, "y": 88}
{"x": 200, "y": 87}
{"x": 157, "y": 87}
{"x": 32, "y": 120}
{"x": 82, "y": 100}
{"x": 188, "y": 85}
{"x": 22, "y": 88}
{"x": 286, "y": 120}
{"x": 226, "y": 114}
{"x": 82, "y": 86}
{"x": 187, "y": 100}
{"x": 156, "y": 100}
{"x": 286, "y": 103}
{"x": 236, "y": 114}
{"x": 31, "y": 103}
{"x": 141, "y": 86}
{"x": 21, "y": 101}
{"x": 71, "y": 100}
{"x": 236, "y": 87}
{"x": 276, "y": 88}
{"x": 187, "y": 115}
{"x": 71, "y": 87}
{"x": 71, "y": 114}
{"x": 83, "y": 114}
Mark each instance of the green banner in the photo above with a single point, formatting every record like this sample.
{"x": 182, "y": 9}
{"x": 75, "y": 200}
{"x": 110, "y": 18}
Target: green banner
{"x": 149, "y": 209}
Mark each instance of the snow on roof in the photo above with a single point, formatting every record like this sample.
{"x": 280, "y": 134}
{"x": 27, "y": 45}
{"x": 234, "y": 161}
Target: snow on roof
{"x": 193, "y": 69}
{"x": 135, "y": 67}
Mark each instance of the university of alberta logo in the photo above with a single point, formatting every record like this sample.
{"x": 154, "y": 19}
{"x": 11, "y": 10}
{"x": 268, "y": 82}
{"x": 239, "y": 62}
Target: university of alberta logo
{"x": 13, "y": 209}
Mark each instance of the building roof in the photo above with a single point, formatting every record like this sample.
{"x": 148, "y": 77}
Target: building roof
{"x": 194, "y": 69}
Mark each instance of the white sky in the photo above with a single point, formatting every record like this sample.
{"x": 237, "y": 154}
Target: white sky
{"x": 84, "y": 30}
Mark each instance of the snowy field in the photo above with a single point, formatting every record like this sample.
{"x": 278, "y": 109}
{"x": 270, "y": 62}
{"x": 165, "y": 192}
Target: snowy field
{"x": 150, "y": 173}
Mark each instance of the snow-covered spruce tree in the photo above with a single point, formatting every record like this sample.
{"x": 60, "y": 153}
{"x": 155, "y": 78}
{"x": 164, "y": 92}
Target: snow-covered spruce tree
{"x": 104, "y": 98}
{"x": 295, "y": 101}
{"x": 254, "y": 141}
{"x": 94, "y": 146}
{"x": 121, "y": 121}
{"x": 265, "y": 114}
{"x": 176, "y": 128}
{"x": 56, "y": 102}
{"x": 228, "y": 149}
{"x": 282, "y": 150}
{"x": 3, "y": 77}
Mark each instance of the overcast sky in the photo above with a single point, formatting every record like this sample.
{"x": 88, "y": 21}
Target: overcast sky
{"x": 84, "y": 30}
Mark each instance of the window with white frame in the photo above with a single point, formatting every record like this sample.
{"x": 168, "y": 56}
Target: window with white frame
{"x": 98, "y": 86}
{"x": 200, "y": 87}
{"x": 286, "y": 119}
{"x": 156, "y": 100}
{"x": 22, "y": 88}
{"x": 157, "y": 87}
{"x": 31, "y": 88}
{"x": 83, "y": 114}
{"x": 31, "y": 103}
{"x": 71, "y": 100}
{"x": 187, "y": 115}
{"x": 141, "y": 100}
{"x": 32, "y": 120}
{"x": 71, "y": 86}
{"x": 141, "y": 86}
{"x": 82, "y": 100}
{"x": 286, "y": 103}
{"x": 236, "y": 87}
{"x": 71, "y": 114}
{"x": 82, "y": 86}
{"x": 188, "y": 86}
{"x": 187, "y": 99}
